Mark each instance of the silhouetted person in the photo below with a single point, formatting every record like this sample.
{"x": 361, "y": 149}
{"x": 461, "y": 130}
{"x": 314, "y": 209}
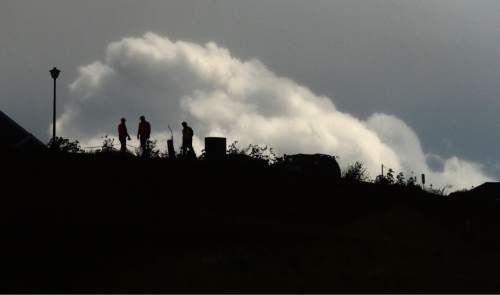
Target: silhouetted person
{"x": 123, "y": 135}
{"x": 143, "y": 133}
{"x": 187, "y": 141}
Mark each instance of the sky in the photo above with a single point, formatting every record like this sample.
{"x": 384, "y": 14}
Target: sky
{"x": 411, "y": 84}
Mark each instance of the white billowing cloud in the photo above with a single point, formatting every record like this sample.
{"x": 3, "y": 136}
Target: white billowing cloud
{"x": 456, "y": 173}
{"x": 219, "y": 95}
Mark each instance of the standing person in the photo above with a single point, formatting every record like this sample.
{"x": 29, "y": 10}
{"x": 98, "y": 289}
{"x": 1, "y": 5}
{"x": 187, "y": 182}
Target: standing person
{"x": 143, "y": 133}
{"x": 187, "y": 140}
{"x": 123, "y": 135}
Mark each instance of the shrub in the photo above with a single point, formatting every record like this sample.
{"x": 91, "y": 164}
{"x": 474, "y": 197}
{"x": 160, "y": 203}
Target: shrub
{"x": 233, "y": 149}
{"x": 412, "y": 182}
{"x": 356, "y": 172}
{"x": 254, "y": 151}
{"x": 150, "y": 151}
{"x": 438, "y": 191}
{"x": 400, "y": 179}
{"x": 64, "y": 145}
{"x": 153, "y": 151}
{"x": 387, "y": 179}
{"x": 107, "y": 144}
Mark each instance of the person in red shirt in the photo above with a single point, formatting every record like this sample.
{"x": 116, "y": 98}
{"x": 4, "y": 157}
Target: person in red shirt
{"x": 143, "y": 133}
{"x": 123, "y": 135}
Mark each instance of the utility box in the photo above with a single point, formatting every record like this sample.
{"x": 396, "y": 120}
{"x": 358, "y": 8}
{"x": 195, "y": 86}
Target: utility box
{"x": 215, "y": 148}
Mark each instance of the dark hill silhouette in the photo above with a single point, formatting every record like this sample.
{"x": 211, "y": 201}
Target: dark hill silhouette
{"x": 15, "y": 139}
{"x": 489, "y": 191}
{"x": 111, "y": 222}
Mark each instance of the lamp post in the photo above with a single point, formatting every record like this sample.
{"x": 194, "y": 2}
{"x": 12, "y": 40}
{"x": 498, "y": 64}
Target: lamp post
{"x": 54, "y": 73}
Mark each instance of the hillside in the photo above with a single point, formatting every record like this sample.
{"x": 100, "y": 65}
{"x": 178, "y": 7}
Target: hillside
{"x": 86, "y": 224}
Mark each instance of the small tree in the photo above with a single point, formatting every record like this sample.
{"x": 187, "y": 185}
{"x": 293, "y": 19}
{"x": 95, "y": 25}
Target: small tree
{"x": 390, "y": 176}
{"x": 356, "y": 172}
{"x": 400, "y": 179}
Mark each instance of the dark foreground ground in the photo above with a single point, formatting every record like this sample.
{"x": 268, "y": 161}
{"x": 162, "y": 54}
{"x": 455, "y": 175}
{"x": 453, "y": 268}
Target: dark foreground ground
{"x": 111, "y": 225}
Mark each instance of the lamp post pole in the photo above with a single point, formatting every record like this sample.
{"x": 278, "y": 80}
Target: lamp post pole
{"x": 54, "y": 114}
{"x": 54, "y": 73}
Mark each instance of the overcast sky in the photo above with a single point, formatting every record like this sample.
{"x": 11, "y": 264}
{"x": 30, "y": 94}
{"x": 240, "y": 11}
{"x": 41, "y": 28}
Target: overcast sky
{"x": 433, "y": 64}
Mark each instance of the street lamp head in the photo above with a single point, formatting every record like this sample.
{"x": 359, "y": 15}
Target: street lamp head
{"x": 54, "y": 73}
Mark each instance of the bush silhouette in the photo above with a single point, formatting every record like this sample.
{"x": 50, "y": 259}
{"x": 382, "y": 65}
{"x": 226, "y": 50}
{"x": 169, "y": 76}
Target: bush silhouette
{"x": 400, "y": 179}
{"x": 356, "y": 172}
{"x": 107, "y": 144}
{"x": 261, "y": 157}
{"x": 255, "y": 152}
{"x": 387, "y": 179}
{"x": 64, "y": 145}
{"x": 151, "y": 150}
